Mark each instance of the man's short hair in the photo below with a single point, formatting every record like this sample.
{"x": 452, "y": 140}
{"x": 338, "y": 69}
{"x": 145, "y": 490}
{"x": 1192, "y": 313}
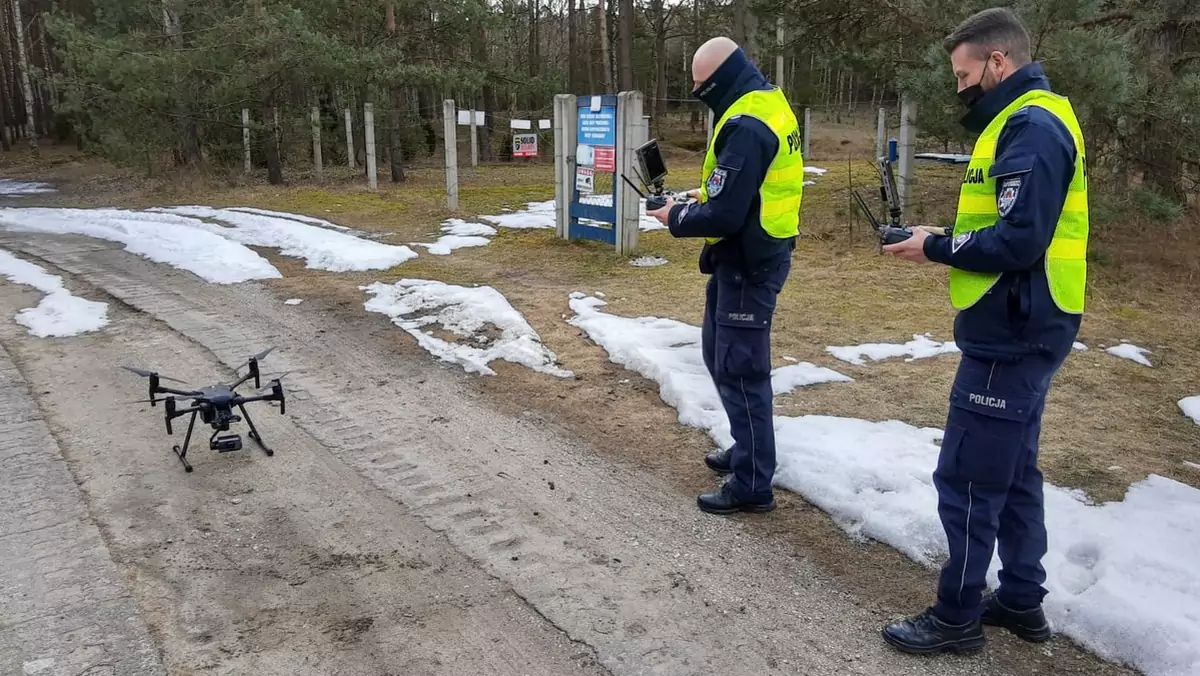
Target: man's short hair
{"x": 993, "y": 30}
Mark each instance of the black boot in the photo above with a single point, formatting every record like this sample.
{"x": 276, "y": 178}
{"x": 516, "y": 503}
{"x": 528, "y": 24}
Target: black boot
{"x": 925, "y": 633}
{"x": 718, "y": 461}
{"x": 722, "y": 501}
{"x": 1030, "y": 625}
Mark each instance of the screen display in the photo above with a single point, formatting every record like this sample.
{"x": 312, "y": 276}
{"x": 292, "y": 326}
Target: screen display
{"x": 654, "y": 169}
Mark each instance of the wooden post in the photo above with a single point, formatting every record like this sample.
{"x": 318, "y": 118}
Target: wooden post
{"x": 905, "y": 149}
{"x": 807, "y": 133}
{"x": 369, "y": 141}
{"x": 451, "y": 142}
{"x": 246, "y": 139}
{"x": 881, "y": 132}
{"x": 349, "y": 139}
{"x": 316, "y": 141}
{"x": 625, "y": 199}
{"x": 565, "y": 139}
{"x": 474, "y": 141}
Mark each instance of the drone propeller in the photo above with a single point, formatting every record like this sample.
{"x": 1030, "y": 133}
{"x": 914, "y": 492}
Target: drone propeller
{"x": 149, "y": 374}
{"x": 271, "y": 382}
{"x": 256, "y": 357}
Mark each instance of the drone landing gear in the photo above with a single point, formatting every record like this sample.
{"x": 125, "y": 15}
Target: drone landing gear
{"x": 182, "y": 453}
{"x": 254, "y": 431}
{"x": 221, "y": 444}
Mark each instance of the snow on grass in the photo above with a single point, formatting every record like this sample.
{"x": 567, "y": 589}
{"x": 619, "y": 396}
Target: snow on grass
{"x": 920, "y": 347}
{"x": 787, "y": 378}
{"x": 320, "y": 222}
{"x": 10, "y": 187}
{"x": 534, "y": 215}
{"x": 468, "y": 312}
{"x": 1079, "y": 346}
{"x": 1121, "y": 575}
{"x": 1191, "y": 408}
{"x": 162, "y": 238}
{"x": 648, "y": 261}
{"x": 459, "y": 235}
{"x": 1127, "y": 350}
{"x": 321, "y": 248}
{"x": 815, "y": 170}
{"x": 668, "y": 351}
{"x": 542, "y": 215}
{"x": 293, "y": 301}
{"x": 59, "y": 313}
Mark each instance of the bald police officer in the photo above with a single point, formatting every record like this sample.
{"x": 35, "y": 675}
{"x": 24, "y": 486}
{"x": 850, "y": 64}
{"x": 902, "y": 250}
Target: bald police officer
{"x": 1017, "y": 275}
{"x": 747, "y": 212}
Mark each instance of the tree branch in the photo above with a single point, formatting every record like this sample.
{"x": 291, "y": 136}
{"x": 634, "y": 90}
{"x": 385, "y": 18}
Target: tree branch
{"x": 1113, "y": 17}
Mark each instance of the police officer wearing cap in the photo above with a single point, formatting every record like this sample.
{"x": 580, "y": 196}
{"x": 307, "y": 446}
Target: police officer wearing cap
{"x": 1017, "y": 265}
{"x": 747, "y": 212}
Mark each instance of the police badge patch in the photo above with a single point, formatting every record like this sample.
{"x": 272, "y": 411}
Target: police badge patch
{"x": 1008, "y": 195}
{"x": 958, "y": 242}
{"x": 716, "y": 182}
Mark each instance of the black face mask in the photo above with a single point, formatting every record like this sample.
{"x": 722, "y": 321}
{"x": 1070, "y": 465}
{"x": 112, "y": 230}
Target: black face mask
{"x": 971, "y": 95}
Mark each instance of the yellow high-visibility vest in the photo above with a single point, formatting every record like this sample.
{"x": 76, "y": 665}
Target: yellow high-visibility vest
{"x": 1066, "y": 257}
{"x": 783, "y": 187}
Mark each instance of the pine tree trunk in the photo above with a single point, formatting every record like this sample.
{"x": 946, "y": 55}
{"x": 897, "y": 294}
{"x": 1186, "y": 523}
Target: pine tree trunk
{"x": 572, "y": 49}
{"x": 23, "y": 65}
{"x": 625, "y": 44}
{"x": 396, "y": 97}
{"x": 605, "y": 48}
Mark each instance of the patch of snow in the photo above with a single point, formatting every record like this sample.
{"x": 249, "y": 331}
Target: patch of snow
{"x": 59, "y": 313}
{"x": 1191, "y": 407}
{"x": 1121, "y": 575}
{"x": 815, "y": 170}
{"x": 1193, "y": 465}
{"x": 457, "y": 226}
{"x": 162, "y": 238}
{"x": 809, "y": 183}
{"x": 446, "y": 244}
{"x": 648, "y": 261}
{"x": 293, "y": 301}
{"x": 791, "y": 359}
{"x": 322, "y": 249}
{"x": 534, "y": 215}
{"x": 787, "y": 378}
{"x": 1127, "y": 350}
{"x": 1079, "y": 346}
{"x": 542, "y": 215}
{"x": 920, "y": 347}
{"x": 9, "y": 186}
{"x": 413, "y": 304}
{"x": 319, "y": 222}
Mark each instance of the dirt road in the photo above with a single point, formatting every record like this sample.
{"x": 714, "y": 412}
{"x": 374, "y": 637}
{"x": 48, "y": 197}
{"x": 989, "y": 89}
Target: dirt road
{"x": 401, "y": 528}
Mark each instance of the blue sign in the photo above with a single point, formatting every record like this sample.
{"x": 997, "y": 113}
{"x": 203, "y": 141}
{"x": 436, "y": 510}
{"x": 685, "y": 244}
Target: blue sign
{"x": 597, "y": 128}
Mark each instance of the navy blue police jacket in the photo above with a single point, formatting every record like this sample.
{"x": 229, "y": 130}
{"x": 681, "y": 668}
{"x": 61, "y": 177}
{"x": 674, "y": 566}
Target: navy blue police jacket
{"x": 1018, "y": 317}
{"x": 744, "y": 148}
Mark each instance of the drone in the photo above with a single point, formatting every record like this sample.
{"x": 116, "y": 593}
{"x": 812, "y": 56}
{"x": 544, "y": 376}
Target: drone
{"x": 214, "y": 405}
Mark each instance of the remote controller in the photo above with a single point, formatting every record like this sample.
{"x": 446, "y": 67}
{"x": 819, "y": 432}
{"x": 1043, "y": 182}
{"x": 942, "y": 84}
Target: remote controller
{"x": 656, "y": 202}
{"x": 893, "y": 235}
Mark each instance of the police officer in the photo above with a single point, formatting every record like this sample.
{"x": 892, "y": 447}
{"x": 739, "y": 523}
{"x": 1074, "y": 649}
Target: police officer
{"x": 747, "y": 211}
{"x": 1017, "y": 274}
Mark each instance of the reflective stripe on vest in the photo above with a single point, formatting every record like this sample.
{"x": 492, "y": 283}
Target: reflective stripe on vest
{"x": 1066, "y": 257}
{"x": 783, "y": 188}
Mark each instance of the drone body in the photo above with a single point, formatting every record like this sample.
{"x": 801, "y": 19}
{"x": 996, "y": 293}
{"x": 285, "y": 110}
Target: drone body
{"x": 215, "y": 406}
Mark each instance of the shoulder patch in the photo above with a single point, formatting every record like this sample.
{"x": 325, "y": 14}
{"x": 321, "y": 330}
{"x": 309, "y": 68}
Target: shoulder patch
{"x": 959, "y": 242}
{"x": 716, "y": 182}
{"x": 1009, "y": 189}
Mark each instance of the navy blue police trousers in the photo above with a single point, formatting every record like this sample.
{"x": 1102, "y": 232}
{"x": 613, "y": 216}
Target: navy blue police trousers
{"x": 989, "y": 485}
{"x": 736, "y": 341}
